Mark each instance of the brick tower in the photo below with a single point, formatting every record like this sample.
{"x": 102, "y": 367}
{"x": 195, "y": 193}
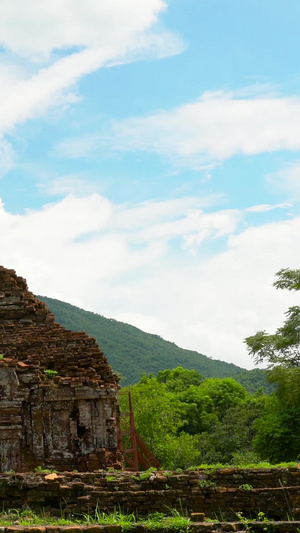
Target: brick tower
{"x": 58, "y": 395}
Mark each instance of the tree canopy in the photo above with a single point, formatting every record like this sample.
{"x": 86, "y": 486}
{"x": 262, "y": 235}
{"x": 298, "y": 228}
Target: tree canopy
{"x": 283, "y": 346}
{"x": 187, "y": 420}
{"x": 278, "y": 429}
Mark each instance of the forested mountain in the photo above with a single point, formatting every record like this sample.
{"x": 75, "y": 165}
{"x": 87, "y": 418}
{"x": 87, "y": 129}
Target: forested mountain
{"x": 132, "y": 352}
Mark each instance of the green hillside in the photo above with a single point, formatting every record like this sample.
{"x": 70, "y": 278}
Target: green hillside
{"x": 132, "y": 352}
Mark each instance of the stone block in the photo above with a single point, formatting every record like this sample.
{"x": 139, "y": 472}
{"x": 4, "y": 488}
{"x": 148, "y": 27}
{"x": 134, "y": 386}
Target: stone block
{"x": 35, "y": 529}
{"x": 112, "y": 529}
{"x": 71, "y": 529}
{"x": 15, "y": 529}
{"x": 94, "y": 529}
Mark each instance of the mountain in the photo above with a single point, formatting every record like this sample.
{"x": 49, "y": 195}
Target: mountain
{"x": 132, "y": 352}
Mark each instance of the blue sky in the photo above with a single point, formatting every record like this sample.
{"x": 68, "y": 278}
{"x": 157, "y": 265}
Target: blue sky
{"x": 150, "y": 161}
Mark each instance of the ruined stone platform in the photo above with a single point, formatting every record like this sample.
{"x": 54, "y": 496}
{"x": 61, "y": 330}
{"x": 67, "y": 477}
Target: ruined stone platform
{"x": 275, "y": 492}
{"x": 219, "y": 527}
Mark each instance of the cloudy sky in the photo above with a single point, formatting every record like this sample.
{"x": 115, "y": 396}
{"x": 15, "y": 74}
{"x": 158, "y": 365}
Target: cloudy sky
{"x": 150, "y": 161}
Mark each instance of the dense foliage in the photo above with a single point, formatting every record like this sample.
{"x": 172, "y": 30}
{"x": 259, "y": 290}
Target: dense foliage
{"x": 187, "y": 420}
{"x": 132, "y": 352}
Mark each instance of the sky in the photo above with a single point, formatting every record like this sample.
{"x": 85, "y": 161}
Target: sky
{"x": 150, "y": 161}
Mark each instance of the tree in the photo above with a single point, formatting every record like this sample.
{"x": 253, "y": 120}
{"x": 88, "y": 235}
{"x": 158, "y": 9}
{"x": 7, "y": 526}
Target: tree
{"x": 207, "y": 404}
{"x": 282, "y": 347}
{"x": 278, "y": 430}
{"x": 159, "y": 418}
{"x": 179, "y": 379}
{"x": 186, "y": 421}
{"x": 231, "y": 441}
{"x": 156, "y": 411}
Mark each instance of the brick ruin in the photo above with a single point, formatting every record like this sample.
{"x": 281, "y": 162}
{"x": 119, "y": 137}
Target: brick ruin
{"x": 58, "y": 395}
{"x": 218, "y": 495}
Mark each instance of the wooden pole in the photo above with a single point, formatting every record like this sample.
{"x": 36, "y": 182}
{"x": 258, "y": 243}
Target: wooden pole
{"x": 135, "y": 459}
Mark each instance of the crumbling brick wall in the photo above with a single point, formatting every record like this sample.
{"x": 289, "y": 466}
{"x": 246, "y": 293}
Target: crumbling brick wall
{"x": 58, "y": 395}
{"x": 219, "y": 495}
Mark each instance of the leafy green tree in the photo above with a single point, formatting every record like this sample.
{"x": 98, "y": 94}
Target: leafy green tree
{"x": 180, "y": 451}
{"x": 185, "y": 424}
{"x": 231, "y": 440}
{"x": 206, "y": 405}
{"x": 282, "y": 347}
{"x": 156, "y": 411}
{"x": 159, "y": 417}
{"x": 179, "y": 379}
{"x": 278, "y": 430}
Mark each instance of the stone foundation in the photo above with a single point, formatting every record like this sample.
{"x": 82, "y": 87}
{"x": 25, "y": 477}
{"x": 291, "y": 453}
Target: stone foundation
{"x": 275, "y": 492}
{"x": 217, "y": 527}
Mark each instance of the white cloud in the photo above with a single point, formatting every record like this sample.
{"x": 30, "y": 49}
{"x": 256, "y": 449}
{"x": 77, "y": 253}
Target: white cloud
{"x": 211, "y": 305}
{"x": 121, "y": 261}
{"x": 32, "y": 97}
{"x": 215, "y": 127}
{"x": 65, "y": 40}
{"x": 263, "y": 208}
{"x": 287, "y": 179}
{"x": 32, "y": 28}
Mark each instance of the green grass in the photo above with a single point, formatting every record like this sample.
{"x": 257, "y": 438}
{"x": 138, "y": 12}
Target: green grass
{"x": 173, "y": 520}
{"x": 31, "y": 518}
{"x": 210, "y": 468}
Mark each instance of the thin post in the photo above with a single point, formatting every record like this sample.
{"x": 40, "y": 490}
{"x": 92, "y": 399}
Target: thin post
{"x": 135, "y": 459}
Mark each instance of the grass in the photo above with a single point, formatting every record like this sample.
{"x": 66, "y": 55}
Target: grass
{"x": 14, "y": 517}
{"x": 173, "y": 520}
{"x": 262, "y": 464}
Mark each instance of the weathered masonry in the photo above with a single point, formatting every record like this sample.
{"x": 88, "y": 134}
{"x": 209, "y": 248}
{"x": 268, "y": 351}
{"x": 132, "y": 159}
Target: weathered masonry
{"x": 58, "y": 395}
{"x": 220, "y": 495}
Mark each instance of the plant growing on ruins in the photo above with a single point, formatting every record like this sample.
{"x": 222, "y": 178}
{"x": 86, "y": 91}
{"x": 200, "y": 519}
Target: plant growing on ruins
{"x": 45, "y": 470}
{"x": 144, "y": 476}
{"x": 205, "y": 484}
{"x": 261, "y": 517}
{"x": 246, "y": 521}
{"x": 246, "y": 487}
{"x": 50, "y": 373}
{"x": 110, "y": 478}
{"x": 168, "y": 473}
